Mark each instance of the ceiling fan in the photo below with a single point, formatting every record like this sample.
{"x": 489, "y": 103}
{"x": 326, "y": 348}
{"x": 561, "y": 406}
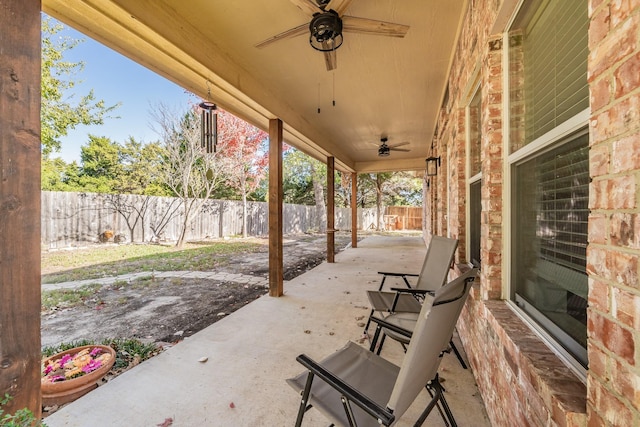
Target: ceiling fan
{"x": 328, "y": 23}
{"x": 384, "y": 150}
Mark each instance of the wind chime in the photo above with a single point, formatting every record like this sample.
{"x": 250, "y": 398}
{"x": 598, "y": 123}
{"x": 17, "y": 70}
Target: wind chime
{"x": 209, "y": 124}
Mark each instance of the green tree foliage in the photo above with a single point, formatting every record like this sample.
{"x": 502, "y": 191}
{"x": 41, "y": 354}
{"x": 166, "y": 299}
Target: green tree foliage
{"x": 60, "y": 112}
{"x": 297, "y": 177}
{"x": 100, "y": 158}
{"x": 57, "y": 175}
{"x": 141, "y": 172}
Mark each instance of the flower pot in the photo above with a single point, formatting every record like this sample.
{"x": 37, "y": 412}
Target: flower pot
{"x": 61, "y": 392}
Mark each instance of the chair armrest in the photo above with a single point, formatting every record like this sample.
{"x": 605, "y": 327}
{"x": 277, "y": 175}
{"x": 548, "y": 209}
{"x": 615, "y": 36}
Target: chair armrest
{"x": 386, "y": 273}
{"x": 413, "y": 291}
{"x": 383, "y": 415}
{"x": 404, "y": 276}
{"x": 395, "y": 328}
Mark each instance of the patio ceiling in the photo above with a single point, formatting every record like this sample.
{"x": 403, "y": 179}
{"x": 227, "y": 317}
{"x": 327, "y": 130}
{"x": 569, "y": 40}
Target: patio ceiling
{"x": 383, "y": 86}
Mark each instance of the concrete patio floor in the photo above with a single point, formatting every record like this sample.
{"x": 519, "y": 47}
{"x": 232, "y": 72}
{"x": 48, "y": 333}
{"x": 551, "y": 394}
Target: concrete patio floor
{"x": 251, "y": 353}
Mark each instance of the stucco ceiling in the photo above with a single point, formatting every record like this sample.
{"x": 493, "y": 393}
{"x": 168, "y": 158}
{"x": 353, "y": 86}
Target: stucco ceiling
{"x": 383, "y": 86}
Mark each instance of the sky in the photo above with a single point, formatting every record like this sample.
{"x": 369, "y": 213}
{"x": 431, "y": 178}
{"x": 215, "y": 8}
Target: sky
{"x": 116, "y": 79}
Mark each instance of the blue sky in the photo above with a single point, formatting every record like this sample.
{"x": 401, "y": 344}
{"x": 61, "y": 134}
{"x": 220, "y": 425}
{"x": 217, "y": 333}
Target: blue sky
{"x": 114, "y": 78}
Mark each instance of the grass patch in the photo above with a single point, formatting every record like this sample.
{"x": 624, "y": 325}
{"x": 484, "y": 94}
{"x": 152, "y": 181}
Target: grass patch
{"x": 103, "y": 261}
{"x": 65, "y": 298}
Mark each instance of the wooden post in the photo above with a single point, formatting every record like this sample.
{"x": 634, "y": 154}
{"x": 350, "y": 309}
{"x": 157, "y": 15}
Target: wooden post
{"x": 354, "y": 210}
{"x": 275, "y": 208}
{"x": 20, "y": 204}
{"x": 331, "y": 217}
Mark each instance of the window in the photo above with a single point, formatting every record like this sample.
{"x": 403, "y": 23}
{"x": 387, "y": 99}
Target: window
{"x": 550, "y": 241}
{"x": 549, "y": 160}
{"x": 474, "y": 124}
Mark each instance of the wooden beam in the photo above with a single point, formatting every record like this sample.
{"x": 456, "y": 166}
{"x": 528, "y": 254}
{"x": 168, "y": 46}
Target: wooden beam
{"x": 20, "y": 204}
{"x": 354, "y": 210}
{"x": 331, "y": 216}
{"x": 275, "y": 208}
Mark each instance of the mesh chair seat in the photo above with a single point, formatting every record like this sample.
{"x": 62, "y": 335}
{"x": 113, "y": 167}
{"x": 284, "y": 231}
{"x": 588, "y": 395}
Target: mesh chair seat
{"x": 405, "y": 321}
{"x": 383, "y": 301}
{"x": 363, "y": 370}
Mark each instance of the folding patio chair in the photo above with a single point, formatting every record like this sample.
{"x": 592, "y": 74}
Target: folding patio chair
{"x": 400, "y": 327}
{"x": 355, "y": 387}
{"x": 432, "y": 276}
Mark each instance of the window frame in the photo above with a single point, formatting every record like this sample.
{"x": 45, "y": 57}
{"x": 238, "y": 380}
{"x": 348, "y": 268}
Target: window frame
{"x": 475, "y": 179}
{"x": 554, "y": 137}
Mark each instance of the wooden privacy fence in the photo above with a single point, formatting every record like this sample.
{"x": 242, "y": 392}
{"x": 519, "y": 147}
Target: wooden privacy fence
{"x": 71, "y": 219}
{"x": 403, "y": 217}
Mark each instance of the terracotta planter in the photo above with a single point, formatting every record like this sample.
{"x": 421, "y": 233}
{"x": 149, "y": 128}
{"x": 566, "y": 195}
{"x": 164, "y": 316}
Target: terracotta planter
{"x": 66, "y": 391}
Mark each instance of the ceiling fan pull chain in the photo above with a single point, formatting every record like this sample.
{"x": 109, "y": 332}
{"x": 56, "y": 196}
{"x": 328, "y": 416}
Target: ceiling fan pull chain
{"x": 334, "y": 87}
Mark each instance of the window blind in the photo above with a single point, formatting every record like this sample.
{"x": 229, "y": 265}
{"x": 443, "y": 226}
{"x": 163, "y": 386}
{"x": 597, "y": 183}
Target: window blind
{"x": 555, "y": 51}
{"x": 562, "y": 211}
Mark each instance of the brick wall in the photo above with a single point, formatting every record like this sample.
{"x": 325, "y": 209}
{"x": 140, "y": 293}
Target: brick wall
{"x": 614, "y": 224}
{"x": 521, "y": 379}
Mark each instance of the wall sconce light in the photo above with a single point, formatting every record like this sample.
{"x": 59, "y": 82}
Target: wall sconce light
{"x": 432, "y": 165}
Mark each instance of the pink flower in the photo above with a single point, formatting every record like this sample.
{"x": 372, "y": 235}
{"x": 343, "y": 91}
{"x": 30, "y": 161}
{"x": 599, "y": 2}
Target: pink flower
{"x": 64, "y": 359}
{"x": 91, "y": 366}
{"x": 96, "y": 351}
{"x": 48, "y": 369}
{"x": 55, "y": 378}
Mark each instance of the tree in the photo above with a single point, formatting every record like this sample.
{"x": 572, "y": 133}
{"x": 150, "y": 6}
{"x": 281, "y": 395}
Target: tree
{"x": 101, "y": 158}
{"x": 297, "y": 179}
{"x": 138, "y": 173}
{"x": 301, "y": 175}
{"x": 242, "y": 147}
{"x": 374, "y": 183}
{"x": 57, "y": 175}
{"x": 59, "y": 113}
{"x": 141, "y": 169}
{"x": 189, "y": 171}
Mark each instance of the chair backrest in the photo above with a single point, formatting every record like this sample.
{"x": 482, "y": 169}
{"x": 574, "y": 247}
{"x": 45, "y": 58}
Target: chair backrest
{"x": 433, "y": 331}
{"x": 436, "y": 263}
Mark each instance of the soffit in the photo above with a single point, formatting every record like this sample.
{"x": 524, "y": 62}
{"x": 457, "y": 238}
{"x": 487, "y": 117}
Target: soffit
{"x": 383, "y": 86}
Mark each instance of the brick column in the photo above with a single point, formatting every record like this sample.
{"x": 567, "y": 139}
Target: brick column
{"x": 458, "y": 183}
{"x": 614, "y": 224}
{"x": 492, "y": 172}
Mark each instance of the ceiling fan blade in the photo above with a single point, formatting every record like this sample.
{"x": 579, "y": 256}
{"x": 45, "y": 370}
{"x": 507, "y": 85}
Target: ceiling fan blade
{"x": 399, "y": 149}
{"x": 309, "y": 7}
{"x": 370, "y": 26}
{"x": 338, "y": 5}
{"x": 399, "y": 144}
{"x": 331, "y": 60}
{"x": 299, "y": 30}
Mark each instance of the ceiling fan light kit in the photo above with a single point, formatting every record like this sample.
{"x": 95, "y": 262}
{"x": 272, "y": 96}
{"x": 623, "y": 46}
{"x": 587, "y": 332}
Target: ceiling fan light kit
{"x": 384, "y": 150}
{"x": 325, "y": 31}
{"x": 327, "y": 24}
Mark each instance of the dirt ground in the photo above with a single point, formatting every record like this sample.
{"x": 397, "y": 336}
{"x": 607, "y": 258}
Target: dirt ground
{"x": 167, "y": 310}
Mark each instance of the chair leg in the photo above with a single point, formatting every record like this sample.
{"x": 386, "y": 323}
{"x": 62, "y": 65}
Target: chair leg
{"x": 366, "y": 327}
{"x": 438, "y": 397}
{"x": 305, "y": 398}
{"x": 458, "y": 355}
{"x": 374, "y": 340}
{"x": 381, "y": 344}
{"x": 438, "y": 406}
